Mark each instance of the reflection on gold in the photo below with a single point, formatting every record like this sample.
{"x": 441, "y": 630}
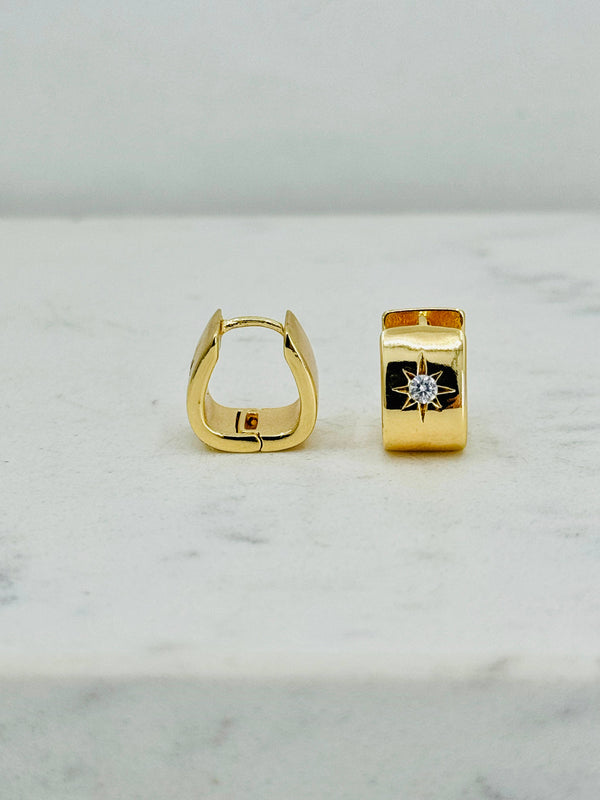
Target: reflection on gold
{"x": 439, "y": 317}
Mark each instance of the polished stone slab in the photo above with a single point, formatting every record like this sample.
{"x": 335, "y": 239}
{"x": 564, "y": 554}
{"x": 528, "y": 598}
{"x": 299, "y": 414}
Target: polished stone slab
{"x": 373, "y": 623}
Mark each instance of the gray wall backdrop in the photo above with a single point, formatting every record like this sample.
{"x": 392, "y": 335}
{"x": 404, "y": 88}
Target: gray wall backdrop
{"x": 298, "y": 105}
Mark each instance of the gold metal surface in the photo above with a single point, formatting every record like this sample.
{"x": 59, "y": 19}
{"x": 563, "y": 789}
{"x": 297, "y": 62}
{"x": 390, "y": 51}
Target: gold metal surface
{"x": 250, "y": 430}
{"x": 429, "y": 345}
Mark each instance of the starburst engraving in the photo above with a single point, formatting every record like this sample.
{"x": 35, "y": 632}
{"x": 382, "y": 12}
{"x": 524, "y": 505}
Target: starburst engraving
{"x": 422, "y": 389}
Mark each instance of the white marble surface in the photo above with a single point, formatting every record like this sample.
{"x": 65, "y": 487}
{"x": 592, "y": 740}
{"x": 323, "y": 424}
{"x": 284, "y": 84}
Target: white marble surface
{"x": 337, "y": 620}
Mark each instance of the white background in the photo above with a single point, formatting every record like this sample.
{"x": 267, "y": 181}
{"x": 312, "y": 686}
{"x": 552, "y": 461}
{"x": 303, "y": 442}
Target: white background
{"x": 283, "y": 105}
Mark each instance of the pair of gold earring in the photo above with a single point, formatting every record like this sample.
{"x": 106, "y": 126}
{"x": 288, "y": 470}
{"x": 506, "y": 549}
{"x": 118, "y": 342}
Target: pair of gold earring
{"x": 423, "y": 385}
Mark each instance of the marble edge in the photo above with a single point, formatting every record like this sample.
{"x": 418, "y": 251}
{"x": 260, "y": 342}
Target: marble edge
{"x": 278, "y": 666}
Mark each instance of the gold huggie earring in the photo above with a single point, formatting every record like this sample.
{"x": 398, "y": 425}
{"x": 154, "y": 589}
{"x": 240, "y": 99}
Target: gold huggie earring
{"x": 423, "y": 379}
{"x": 250, "y": 430}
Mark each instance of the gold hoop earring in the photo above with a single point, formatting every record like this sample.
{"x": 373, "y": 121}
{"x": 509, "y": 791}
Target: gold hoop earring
{"x": 252, "y": 430}
{"x": 423, "y": 379}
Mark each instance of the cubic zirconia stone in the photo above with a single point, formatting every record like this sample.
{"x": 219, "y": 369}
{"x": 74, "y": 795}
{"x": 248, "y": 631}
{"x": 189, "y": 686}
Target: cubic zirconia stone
{"x": 423, "y": 389}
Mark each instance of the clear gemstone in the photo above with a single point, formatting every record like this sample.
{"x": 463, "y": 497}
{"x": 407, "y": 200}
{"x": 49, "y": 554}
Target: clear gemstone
{"x": 423, "y": 389}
